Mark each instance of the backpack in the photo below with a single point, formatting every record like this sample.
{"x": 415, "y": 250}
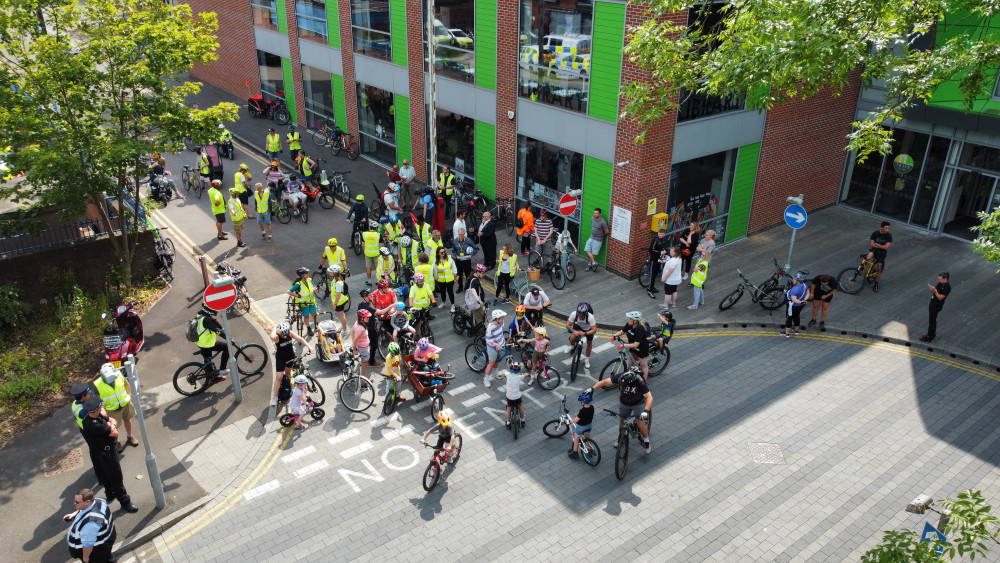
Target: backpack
{"x": 285, "y": 389}
{"x": 576, "y": 313}
{"x": 519, "y": 223}
{"x": 192, "y": 329}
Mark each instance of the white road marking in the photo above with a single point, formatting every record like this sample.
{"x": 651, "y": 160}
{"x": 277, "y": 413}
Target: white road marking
{"x": 383, "y": 420}
{"x": 560, "y": 350}
{"x": 311, "y": 468}
{"x": 530, "y": 398}
{"x": 607, "y": 345}
{"x": 346, "y": 435}
{"x": 363, "y": 446}
{"x": 288, "y": 458}
{"x": 398, "y": 432}
{"x": 461, "y": 388}
{"x": 476, "y": 400}
{"x": 261, "y": 489}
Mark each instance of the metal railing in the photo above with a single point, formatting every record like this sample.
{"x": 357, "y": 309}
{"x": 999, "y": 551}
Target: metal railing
{"x": 49, "y": 237}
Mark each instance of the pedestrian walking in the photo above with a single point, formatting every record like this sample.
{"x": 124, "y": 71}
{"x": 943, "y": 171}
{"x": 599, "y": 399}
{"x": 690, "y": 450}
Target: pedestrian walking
{"x": 671, "y": 278}
{"x": 262, "y": 201}
{"x": 92, "y": 533}
{"x": 101, "y": 434}
{"x": 657, "y": 255}
{"x": 272, "y": 144}
{"x": 878, "y": 247}
{"x": 689, "y": 239}
{"x": 218, "y": 208}
{"x": 939, "y": 293}
{"x": 116, "y": 394}
{"x": 525, "y": 223}
{"x": 488, "y": 241}
{"x": 797, "y": 297}
{"x": 598, "y": 230}
{"x": 823, "y": 289}
{"x": 698, "y": 277}
{"x": 237, "y": 215}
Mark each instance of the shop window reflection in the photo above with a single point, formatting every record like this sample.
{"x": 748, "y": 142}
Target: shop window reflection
{"x": 454, "y": 38}
{"x": 554, "y": 59}
{"x": 377, "y": 123}
{"x": 370, "y": 28}
{"x": 265, "y": 14}
{"x": 699, "y": 190}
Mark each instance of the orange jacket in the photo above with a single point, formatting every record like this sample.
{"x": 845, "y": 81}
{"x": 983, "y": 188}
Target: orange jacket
{"x": 528, "y": 217}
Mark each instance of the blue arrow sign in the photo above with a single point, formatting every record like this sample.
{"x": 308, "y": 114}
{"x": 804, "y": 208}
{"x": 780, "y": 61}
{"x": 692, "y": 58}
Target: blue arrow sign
{"x": 930, "y": 534}
{"x": 795, "y": 216}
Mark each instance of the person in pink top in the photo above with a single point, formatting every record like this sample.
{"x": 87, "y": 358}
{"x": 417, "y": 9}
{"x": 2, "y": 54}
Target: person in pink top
{"x": 359, "y": 336}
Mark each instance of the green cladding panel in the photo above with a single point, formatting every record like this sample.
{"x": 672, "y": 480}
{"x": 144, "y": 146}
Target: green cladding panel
{"x": 596, "y": 193}
{"x": 286, "y": 70}
{"x": 339, "y": 101}
{"x": 402, "y": 113}
{"x": 279, "y": 7}
{"x": 486, "y": 44}
{"x": 958, "y": 26}
{"x": 606, "y": 60}
{"x": 486, "y": 158}
{"x": 397, "y": 30}
{"x": 743, "y": 183}
{"x": 333, "y": 23}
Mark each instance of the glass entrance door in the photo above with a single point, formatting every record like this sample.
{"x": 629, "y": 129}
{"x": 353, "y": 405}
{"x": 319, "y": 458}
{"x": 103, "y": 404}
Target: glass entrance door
{"x": 971, "y": 193}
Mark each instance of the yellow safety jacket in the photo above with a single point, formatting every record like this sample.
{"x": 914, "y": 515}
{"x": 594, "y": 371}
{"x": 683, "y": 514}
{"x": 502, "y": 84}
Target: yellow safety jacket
{"x": 448, "y": 182}
{"x": 408, "y": 255}
{"x": 421, "y": 296}
{"x": 262, "y": 200}
{"x": 338, "y": 287}
{"x": 340, "y": 259}
{"x": 444, "y": 271}
{"x": 512, "y": 261}
{"x": 218, "y": 204}
{"x": 206, "y": 338}
{"x": 236, "y": 209}
{"x": 294, "y": 141}
{"x": 77, "y": 407}
{"x": 698, "y": 278}
{"x": 370, "y": 239}
{"x": 386, "y": 266}
{"x": 428, "y": 273}
{"x": 394, "y": 232}
{"x": 307, "y": 293}
{"x": 273, "y": 143}
{"x": 431, "y": 248}
{"x": 304, "y": 167}
{"x": 425, "y": 236}
{"x": 203, "y": 164}
{"x": 114, "y": 397}
{"x": 240, "y": 179}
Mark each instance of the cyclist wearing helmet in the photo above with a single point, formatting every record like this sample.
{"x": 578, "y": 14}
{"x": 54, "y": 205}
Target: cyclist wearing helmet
{"x": 446, "y": 434}
{"x": 293, "y": 193}
{"x": 463, "y": 250}
{"x": 520, "y": 327}
{"x": 584, "y": 422}
{"x": 384, "y": 300}
{"x": 299, "y": 403}
{"x": 665, "y": 330}
{"x": 494, "y": 343}
{"x": 540, "y": 345}
{"x": 637, "y": 336}
{"x": 392, "y": 367}
{"x": 513, "y": 390}
{"x": 425, "y": 355}
{"x": 333, "y": 255}
{"x": 425, "y": 269}
{"x": 338, "y": 295}
{"x": 370, "y": 243}
{"x": 367, "y": 305}
{"x": 634, "y": 399}
{"x": 582, "y": 323}
{"x": 407, "y": 255}
{"x": 359, "y": 336}
{"x": 305, "y": 297}
{"x": 284, "y": 352}
{"x": 385, "y": 266}
{"x": 421, "y": 295}
{"x": 274, "y": 177}
{"x": 358, "y": 211}
{"x": 798, "y": 296}
{"x": 390, "y": 198}
{"x": 208, "y": 329}
{"x": 400, "y": 322}
{"x": 390, "y": 233}
{"x": 475, "y": 297}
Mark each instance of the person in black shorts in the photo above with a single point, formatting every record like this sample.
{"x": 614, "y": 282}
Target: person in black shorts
{"x": 635, "y": 399}
{"x": 284, "y": 339}
{"x": 879, "y": 244}
{"x": 446, "y": 434}
{"x": 582, "y": 323}
{"x": 638, "y": 339}
{"x": 823, "y": 288}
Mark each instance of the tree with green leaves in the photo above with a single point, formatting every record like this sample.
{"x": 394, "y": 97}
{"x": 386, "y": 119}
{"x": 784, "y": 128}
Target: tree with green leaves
{"x": 987, "y": 242}
{"x": 968, "y": 525}
{"x": 88, "y": 89}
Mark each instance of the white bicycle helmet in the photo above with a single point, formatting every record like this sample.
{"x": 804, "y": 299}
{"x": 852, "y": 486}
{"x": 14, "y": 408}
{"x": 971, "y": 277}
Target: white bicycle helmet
{"x": 283, "y": 329}
{"x": 634, "y": 315}
{"x": 383, "y": 251}
{"x": 333, "y": 269}
{"x": 373, "y": 225}
{"x": 405, "y": 240}
{"x": 497, "y": 314}
{"x": 301, "y": 379}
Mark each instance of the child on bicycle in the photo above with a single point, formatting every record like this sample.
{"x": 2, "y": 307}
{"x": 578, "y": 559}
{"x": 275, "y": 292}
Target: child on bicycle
{"x": 513, "y": 389}
{"x": 540, "y": 344}
{"x": 400, "y": 322}
{"x": 299, "y": 403}
{"x": 446, "y": 434}
{"x": 392, "y": 367}
{"x": 520, "y": 326}
{"x": 584, "y": 421}
{"x": 666, "y": 329}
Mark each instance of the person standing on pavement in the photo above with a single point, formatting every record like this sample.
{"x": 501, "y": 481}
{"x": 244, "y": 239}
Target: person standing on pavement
{"x": 444, "y": 271}
{"x": 273, "y": 144}
{"x": 939, "y": 293}
{"x": 463, "y": 250}
{"x": 101, "y": 434}
{"x": 459, "y": 224}
{"x": 488, "y": 241}
{"x": 218, "y": 208}
{"x": 475, "y": 297}
{"x": 241, "y": 181}
{"x": 204, "y": 172}
{"x": 236, "y": 214}
{"x": 81, "y": 392}
{"x": 798, "y": 295}
{"x": 671, "y": 278}
{"x": 698, "y": 283}
{"x": 689, "y": 239}
{"x": 368, "y": 304}
{"x": 390, "y": 200}
{"x": 543, "y": 233}
{"x": 305, "y": 297}
{"x": 657, "y": 256}
{"x": 706, "y": 247}
{"x": 294, "y": 142}
{"x": 446, "y": 187}
{"x": 879, "y": 244}
{"x": 823, "y": 289}
{"x": 92, "y": 534}
{"x": 116, "y": 395}
{"x": 262, "y": 204}
{"x": 598, "y": 230}
{"x": 407, "y": 173}
{"x": 525, "y": 222}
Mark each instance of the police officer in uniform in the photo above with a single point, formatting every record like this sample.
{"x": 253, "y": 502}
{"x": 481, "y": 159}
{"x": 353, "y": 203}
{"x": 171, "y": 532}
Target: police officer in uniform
{"x": 92, "y": 534}
{"x": 81, "y": 392}
{"x": 101, "y": 434}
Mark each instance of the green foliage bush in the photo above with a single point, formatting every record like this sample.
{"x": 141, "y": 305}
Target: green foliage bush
{"x": 13, "y": 312}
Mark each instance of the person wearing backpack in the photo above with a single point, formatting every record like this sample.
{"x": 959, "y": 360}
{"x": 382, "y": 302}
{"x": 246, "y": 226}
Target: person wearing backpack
{"x": 525, "y": 223}
{"x": 581, "y": 323}
{"x": 207, "y": 330}
{"x": 284, "y": 352}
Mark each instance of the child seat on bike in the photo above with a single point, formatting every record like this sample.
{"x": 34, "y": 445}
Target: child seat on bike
{"x": 330, "y": 344}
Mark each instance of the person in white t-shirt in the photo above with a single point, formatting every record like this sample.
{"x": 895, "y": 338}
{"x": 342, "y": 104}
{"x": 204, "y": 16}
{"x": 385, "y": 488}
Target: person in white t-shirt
{"x": 671, "y": 278}
{"x": 391, "y": 201}
{"x": 513, "y": 390}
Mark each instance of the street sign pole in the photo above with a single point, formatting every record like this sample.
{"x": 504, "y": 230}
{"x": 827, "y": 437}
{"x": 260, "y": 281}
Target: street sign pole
{"x": 795, "y": 217}
{"x": 791, "y": 246}
{"x": 234, "y": 373}
{"x": 154, "y": 474}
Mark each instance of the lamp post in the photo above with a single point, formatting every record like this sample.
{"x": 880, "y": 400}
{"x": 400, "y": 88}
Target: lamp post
{"x": 432, "y": 103}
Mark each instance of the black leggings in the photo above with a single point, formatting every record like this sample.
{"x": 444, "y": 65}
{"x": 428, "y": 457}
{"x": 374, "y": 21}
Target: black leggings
{"x": 686, "y": 262}
{"x": 526, "y": 242}
{"x": 448, "y": 288}
{"x": 503, "y": 282}
{"x": 219, "y": 346}
{"x": 793, "y": 319}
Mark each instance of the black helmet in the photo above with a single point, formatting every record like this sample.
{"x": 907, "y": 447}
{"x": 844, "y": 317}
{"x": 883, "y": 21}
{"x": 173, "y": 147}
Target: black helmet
{"x": 293, "y": 177}
{"x": 428, "y": 191}
{"x": 365, "y": 292}
{"x": 302, "y": 270}
{"x": 666, "y": 313}
{"x": 583, "y": 309}
{"x": 207, "y": 311}
{"x": 631, "y": 377}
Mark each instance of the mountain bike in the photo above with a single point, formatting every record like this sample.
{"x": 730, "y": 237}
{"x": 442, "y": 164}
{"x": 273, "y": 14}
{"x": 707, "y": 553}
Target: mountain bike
{"x": 392, "y": 397}
{"x": 629, "y": 430}
{"x": 325, "y": 135}
{"x": 441, "y": 457}
{"x": 193, "y": 378}
{"x": 558, "y": 427}
{"x": 355, "y": 391}
{"x": 191, "y": 181}
{"x": 647, "y": 268}
{"x": 339, "y": 186}
{"x": 477, "y": 359}
{"x": 164, "y": 258}
{"x": 286, "y": 211}
{"x": 299, "y": 367}
{"x": 853, "y": 280}
{"x": 574, "y": 355}
{"x": 553, "y": 266}
{"x": 342, "y": 141}
{"x": 768, "y": 294}
{"x": 321, "y": 282}
{"x": 502, "y": 214}
{"x": 656, "y": 361}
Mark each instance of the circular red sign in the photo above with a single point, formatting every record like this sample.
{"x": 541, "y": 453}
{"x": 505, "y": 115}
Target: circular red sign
{"x": 220, "y": 298}
{"x": 567, "y": 205}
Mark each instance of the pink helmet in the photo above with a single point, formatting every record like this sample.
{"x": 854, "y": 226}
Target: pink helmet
{"x": 480, "y": 267}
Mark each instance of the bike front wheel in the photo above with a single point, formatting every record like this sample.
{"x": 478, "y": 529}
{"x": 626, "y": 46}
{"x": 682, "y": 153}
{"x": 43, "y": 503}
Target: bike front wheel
{"x": 731, "y": 299}
{"x": 510, "y": 227}
{"x": 281, "y": 116}
{"x": 327, "y": 201}
{"x": 851, "y": 280}
{"x": 614, "y": 367}
{"x": 343, "y": 192}
{"x": 284, "y": 213}
{"x": 621, "y": 456}
{"x": 191, "y": 379}
{"x": 555, "y": 428}
{"x": 431, "y": 475}
{"x": 590, "y": 452}
{"x": 316, "y": 392}
{"x": 570, "y": 271}
{"x": 456, "y": 448}
{"x": 437, "y": 405}
{"x": 644, "y": 275}
{"x": 319, "y": 138}
{"x": 475, "y": 356}
{"x": 251, "y": 359}
{"x": 320, "y": 285}
{"x": 771, "y": 297}
{"x": 357, "y": 394}
{"x": 535, "y": 260}
{"x": 574, "y": 365}
{"x": 356, "y": 243}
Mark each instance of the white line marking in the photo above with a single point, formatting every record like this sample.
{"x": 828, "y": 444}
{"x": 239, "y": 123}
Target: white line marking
{"x": 476, "y": 400}
{"x": 347, "y": 435}
{"x": 602, "y": 347}
{"x": 461, "y": 389}
{"x": 530, "y": 398}
{"x": 363, "y": 446}
{"x": 311, "y": 468}
{"x": 297, "y": 455}
{"x": 560, "y": 350}
{"x": 398, "y": 432}
{"x": 383, "y": 420}
{"x": 261, "y": 489}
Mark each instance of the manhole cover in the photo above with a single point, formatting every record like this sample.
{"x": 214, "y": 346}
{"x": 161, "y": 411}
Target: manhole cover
{"x": 59, "y": 463}
{"x": 764, "y": 452}
{"x": 268, "y": 250}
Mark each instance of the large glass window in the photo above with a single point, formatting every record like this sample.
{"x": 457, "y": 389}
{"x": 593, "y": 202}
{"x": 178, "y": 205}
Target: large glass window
{"x": 370, "y": 26}
{"x": 544, "y": 173}
{"x": 555, "y": 48}
{"x": 900, "y": 174}
{"x": 454, "y": 31}
{"x": 860, "y": 191}
{"x": 700, "y": 190}
{"x": 272, "y": 78}
{"x": 930, "y": 180}
{"x": 377, "y": 123}
{"x": 310, "y": 16}
{"x": 697, "y": 106}
{"x": 456, "y": 138}
{"x": 318, "y": 91}
{"x": 265, "y": 14}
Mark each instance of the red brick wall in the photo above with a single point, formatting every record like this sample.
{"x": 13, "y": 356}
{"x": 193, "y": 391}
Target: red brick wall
{"x": 415, "y": 59}
{"x": 645, "y": 174}
{"x": 347, "y": 56}
{"x": 507, "y": 61}
{"x": 237, "y": 62}
{"x": 803, "y": 153}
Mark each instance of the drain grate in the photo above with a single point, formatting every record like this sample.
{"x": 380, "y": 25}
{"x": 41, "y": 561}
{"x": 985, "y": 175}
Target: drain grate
{"x": 765, "y": 452}
{"x": 268, "y": 250}
{"x": 60, "y": 463}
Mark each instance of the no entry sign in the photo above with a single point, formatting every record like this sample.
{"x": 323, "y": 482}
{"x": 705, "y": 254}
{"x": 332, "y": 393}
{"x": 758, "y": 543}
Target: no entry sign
{"x": 567, "y": 205}
{"x": 220, "y": 298}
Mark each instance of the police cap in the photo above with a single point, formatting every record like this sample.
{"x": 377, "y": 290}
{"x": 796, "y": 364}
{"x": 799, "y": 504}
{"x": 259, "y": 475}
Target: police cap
{"x": 92, "y": 404}
{"x": 79, "y": 390}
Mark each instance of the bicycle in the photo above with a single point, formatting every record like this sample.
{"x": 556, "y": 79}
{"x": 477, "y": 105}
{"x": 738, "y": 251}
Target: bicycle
{"x": 392, "y": 397}
{"x": 628, "y": 430}
{"x": 853, "y": 280}
{"x": 441, "y": 457}
{"x": 191, "y": 180}
{"x": 656, "y": 361}
{"x": 420, "y": 321}
{"x": 326, "y": 135}
{"x": 286, "y": 211}
{"x": 357, "y": 243}
{"x": 321, "y": 282}
{"x": 312, "y": 410}
{"x": 164, "y": 258}
{"x": 355, "y": 391}
{"x": 768, "y": 296}
{"x": 574, "y": 355}
{"x": 315, "y": 389}
{"x": 553, "y": 266}
{"x": 515, "y": 418}
{"x": 342, "y": 141}
{"x": 502, "y": 214}
{"x": 520, "y": 285}
{"x": 193, "y": 378}
{"x": 558, "y": 427}
{"x": 647, "y": 268}
{"x": 477, "y": 359}
{"x": 293, "y": 314}
{"x": 339, "y": 186}
{"x": 548, "y": 378}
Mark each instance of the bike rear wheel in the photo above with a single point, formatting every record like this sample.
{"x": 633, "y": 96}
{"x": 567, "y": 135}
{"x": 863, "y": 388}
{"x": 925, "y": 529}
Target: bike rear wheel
{"x": 437, "y": 405}
{"x": 475, "y": 356}
{"x": 851, "y": 280}
{"x": 287, "y": 419}
{"x": 590, "y": 452}
{"x": 357, "y": 394}
{"x": 771, "y": 297}
{"x": 319, "y": 138}
{"x": 555, "y": 428}
{"x": 327, "y": 201}
{"x": 621, "y": 456}
{"x": 251, "y": 359}
{"x": 515, "y": 421}
{"x": 658, "y": 361}
{"x": 316, "y": 392}
{"x": 319, "y": 283}
{"x": 343, "y": 192}
{"x": 731, "y": 299}
{"x": 191, "y": 379}
{"x": 281, "y": 116}
{"x": 242, "y": 305}
{"x": 644, "y": 275}
{"x": 389, "y": 405}
{"x": 613, "y": 367}
{"x": 431, "y": 475}
{"x": 510, "y": 227}
{"x": 353, "y": 152}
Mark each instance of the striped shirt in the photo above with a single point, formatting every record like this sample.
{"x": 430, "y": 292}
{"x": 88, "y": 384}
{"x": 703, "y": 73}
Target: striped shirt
{"x": 543, "y": 228}
{"x": 494, "y": 334}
